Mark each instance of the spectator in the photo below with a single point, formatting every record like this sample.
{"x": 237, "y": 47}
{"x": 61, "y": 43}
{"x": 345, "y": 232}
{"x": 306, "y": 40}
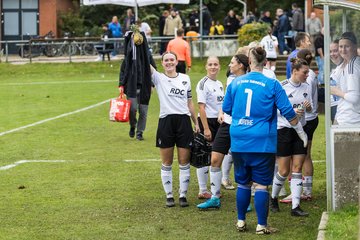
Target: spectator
{"x": 183, "y": 21}
{"x": 291, "y": 146}
{"x": 302, "y": 41}
{"x": 115, "y": 29}
{"x": 231, "y": 24}
{"x": 266, "y": 18}
{"x": 207, "y": 19}
{"x": 194, "y": 19}
{"x": 250, "y": 17}
{"x": 297, "y": 18}
{"x": 282, "y": 30}
{"x": 172, "y": 23}
{"x": 174, "y": 126}
{"x": 182, "y": 50}
{"x": 348, "y": 87}
{"x": 162, "y": 20}
{"x": 254, "y": 136}
{"x": 319, "y": 55}
{"x": 313, "y": 26}
{"x": 192, "y": 35}
{"x": 129, "y": 19}
{"x": 135, "y": 82}
{"x": 107, "y": 46}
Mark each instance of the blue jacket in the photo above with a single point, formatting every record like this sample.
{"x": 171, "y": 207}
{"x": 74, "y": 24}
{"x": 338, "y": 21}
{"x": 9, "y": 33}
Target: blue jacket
{"x": 252, "y": 100}
{"x": 293, "y": 54}
{"x": 284, "y": 24}
{"x": 115, "y": 29}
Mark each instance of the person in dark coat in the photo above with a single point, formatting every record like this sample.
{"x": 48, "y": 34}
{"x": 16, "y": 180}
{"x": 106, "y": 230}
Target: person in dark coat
{"x": 135, "y": 82}
{"x": 231, "y": 24}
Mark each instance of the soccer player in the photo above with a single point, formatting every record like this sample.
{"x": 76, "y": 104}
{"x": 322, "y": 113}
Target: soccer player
{"x": 270, "y": 44}
{"x": 336, "y": 59}
{"x": 210, "y": 94}
{"x": 252, "y": 100}
{"x": 348, "y": 89}
{"x": 290, "y": 145}
{"x": 238, "y": 66}
{"x": 174, "y": 127}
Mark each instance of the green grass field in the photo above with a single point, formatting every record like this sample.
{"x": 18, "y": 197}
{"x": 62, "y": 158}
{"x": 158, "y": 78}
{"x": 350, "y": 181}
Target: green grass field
{"x": 96, "y": 194}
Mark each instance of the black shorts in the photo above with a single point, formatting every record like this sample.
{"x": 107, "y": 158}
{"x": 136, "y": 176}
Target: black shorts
{"x": 222, "y": 141}
{"x": 310, "y": 127}
{"x": 213, "y": 126}
{"x": 181, "y": 67}
{"x": 174, "y": 129}
{"x": 271, "y": 59}
{"x": 289, "y": 143}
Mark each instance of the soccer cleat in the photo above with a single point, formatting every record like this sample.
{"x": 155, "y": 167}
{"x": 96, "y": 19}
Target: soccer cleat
{"x": 274, "y": 205}
{"x": 139, "y": 137}
{"x": 249, "y": 208}
{"x": 132, "y": 132}
{"x": 288, "y": 199}
{"x": 213, "y": 202}
{"x": 298, "y": 212}
{"x": 227, "y": 184}
{"x": 241, "y": 225}
{"x": 183, "y": 202}
{"x": 204, "y": 195}
{"x": 306, "y": 197}
{"x": 170, "y": 202}
{"x": 262, "y": 230}
{"x": 282, "y": 192}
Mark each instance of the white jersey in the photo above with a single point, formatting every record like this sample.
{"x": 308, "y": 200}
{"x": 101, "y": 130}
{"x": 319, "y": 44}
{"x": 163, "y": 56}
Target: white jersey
{"x": 335, "y": 76}
{"x": 268, "y": 73}
{"x": 297, "y": 94}
{"x": 211, "y": 93}
{"x": 313, "y": 88}
{"x": 349, "y": 81}
{"x": 173, "y": 93}
{"x": 270, "y": 44}
{"x": 227, "y": 117}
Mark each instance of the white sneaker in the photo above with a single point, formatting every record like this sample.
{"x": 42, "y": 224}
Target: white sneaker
{"x": 98, "y": 59}
{"x": 227, "y": 184}
{"x": 261, "y": 230}
{"x": 282, "y": 192}
{"x": 241, "y": 225}
{"x": 114, "y": 57}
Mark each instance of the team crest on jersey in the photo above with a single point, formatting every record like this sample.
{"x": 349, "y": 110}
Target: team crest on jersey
{"x": 305, "y": 95}
{"x": 221, "y": 88}
{"x": 290, "y": 95}
{"x": 184, "y": 83}
{"x": 214, "y": 90}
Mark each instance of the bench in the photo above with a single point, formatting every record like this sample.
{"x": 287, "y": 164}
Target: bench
{"x": 104, "y": 49}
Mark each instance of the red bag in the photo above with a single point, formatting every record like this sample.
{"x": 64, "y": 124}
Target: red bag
{"x": 119, "y": 109}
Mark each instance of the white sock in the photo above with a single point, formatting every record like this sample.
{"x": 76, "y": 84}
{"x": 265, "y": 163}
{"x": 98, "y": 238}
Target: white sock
{"x": 226, "y": 166}
{"x": 166, "y": 178}
{"x": 307, "y": 185}
{"x": 215, "y": 181}
{"x": 202, "y": 175}
{"x": 278, "y": 182}
{"x": 296, "y": 187}
{"x": 184, "y": 179}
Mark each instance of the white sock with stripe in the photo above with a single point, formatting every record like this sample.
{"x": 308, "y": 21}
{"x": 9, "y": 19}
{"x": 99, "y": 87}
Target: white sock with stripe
{"x": 202, "y": 175}
{"x": 166, "y": 178}
{"x": 184, "y": 179}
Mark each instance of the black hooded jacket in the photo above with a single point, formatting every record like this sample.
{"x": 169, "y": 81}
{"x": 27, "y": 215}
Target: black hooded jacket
{"x": 135, "y": 69}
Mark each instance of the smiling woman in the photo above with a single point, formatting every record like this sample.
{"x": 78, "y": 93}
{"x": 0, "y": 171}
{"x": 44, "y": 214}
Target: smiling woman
{"x": 174, "y": 128}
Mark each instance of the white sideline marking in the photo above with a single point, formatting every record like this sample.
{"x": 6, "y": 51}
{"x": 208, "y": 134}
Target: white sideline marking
{"x": 53, "y": 118}
{"x": 143, "y": 160}
{"x": 319, "y": 161}
{"x": 6, "y": 167}
{"x": 57, "y": 82}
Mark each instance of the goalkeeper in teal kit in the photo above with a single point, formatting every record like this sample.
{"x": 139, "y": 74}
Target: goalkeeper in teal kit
{"x": 252, "y": 100}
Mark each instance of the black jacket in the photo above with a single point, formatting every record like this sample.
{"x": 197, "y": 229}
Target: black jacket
{"x": 135, "y": 69}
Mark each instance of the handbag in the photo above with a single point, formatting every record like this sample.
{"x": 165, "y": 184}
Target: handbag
{"x": 119, "y": 109}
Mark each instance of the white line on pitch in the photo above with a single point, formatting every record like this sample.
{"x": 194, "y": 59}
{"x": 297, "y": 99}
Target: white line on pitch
{"x": 143, "y": 160}
{"x": 6, "y": 167}
{"x": 53, "y": 118}
{"x": 57, "y": 82}
{"x": 318, "y": 161}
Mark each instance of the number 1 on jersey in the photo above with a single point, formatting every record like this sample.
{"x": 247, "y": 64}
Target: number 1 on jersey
{"x": 248, "y": 101}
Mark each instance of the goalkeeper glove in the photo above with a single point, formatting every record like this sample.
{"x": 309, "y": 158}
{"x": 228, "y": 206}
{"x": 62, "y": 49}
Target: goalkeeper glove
{"x": 300, "y": 131}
